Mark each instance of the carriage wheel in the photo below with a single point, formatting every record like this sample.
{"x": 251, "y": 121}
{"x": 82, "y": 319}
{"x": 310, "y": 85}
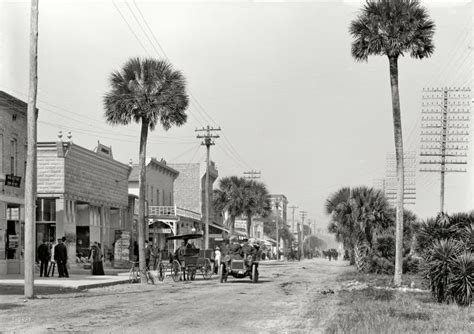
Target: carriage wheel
{"x": 161, "y": 271}
{"x": 206, "y": 269}
{"x": 175, "y": 270}
{"x": 223, "y": 275}
{"x": 254, "y": 273}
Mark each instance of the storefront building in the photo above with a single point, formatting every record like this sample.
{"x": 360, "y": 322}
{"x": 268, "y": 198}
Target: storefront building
{"x": 81, "y": 195}
{"x": 12, "y": 183}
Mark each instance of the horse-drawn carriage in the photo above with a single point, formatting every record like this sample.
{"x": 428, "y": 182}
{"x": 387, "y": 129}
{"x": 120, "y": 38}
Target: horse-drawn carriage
{"x": 186, "y": 262}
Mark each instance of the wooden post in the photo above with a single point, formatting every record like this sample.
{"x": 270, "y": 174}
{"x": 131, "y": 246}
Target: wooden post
{"x": 30, "y": 173}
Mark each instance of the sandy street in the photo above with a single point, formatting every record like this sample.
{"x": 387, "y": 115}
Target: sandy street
{"x": 287, "y": 299}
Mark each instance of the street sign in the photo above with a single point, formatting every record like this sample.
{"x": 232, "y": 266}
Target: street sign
{"x": 12, "y": 180}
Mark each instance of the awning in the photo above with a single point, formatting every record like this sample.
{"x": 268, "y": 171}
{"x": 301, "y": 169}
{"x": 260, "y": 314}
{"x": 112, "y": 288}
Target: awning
{"x": 220, "y": 227}
{"x": 185, "y": 236}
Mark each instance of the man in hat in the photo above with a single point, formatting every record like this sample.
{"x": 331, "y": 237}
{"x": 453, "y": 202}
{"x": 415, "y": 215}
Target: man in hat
{"x": 44, "y": 256}
{"x": 60, "y": 256}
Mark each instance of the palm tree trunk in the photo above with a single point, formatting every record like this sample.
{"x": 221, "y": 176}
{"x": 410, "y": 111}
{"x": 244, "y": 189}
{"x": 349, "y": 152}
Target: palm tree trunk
{"x": 249, "y": 224}
{"x": 397, "y": 127}
{"x": 141, "y": 199}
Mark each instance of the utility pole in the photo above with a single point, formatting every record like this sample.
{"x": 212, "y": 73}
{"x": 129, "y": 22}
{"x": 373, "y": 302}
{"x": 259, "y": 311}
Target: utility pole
{"x": 409, "y": 171}
{"x": 252, "y": 174}
{"x": 301, "y": 233}
{"x": 208, "y": 141}
{"x": 277, "y": 207}
{"x": 445, "y": 131}
{"x": 293, "y": 220}
{"x": 30, "y": 173}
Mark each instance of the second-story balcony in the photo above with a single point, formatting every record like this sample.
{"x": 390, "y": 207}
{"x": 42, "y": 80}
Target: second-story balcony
{"x": 172, "y": 213}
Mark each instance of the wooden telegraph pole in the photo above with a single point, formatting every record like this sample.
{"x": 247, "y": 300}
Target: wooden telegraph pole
{"x": 208, "y": 136}
{"x": 301, "y": 233}
{"x": 30, "y": 173}
{"x": 277, "y": 207}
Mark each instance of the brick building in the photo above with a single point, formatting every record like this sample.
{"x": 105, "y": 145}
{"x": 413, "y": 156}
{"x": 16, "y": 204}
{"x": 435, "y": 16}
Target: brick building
{"x": 82, "y": 195}
{"x": 12, "y": 184}
{"x": 282, "y": 206}
{"x": 189, "y": 193}
{"x": 159, "y": 199}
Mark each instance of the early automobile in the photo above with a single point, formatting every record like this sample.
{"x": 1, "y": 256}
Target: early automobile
{"x": 241, "y": 264}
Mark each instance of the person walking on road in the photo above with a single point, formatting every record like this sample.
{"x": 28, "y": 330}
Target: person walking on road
{"x": 154, "y": 256}
{"x": 147, "y": 255}
{"x": 44, "y": 256}
{"x": 97, "y": 267}
{"x": 217, "y": 259}
{"x": 60, "y": 256}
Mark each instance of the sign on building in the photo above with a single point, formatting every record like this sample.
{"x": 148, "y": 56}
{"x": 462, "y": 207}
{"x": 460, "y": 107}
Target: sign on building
{"x": 12, "y": 180}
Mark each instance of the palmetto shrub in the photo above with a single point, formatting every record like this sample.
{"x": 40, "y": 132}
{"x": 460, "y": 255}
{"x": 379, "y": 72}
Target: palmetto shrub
{"x": 460, "y": 286}
{"x": 451, "y": 272}
{"x": 439, "y": 259}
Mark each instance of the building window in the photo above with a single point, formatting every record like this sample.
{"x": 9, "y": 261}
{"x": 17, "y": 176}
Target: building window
{"x": 171, "y": 199}
{"x": 46, "y": 209}
{"x": 13, "y": 156}
{"x": 157, "y": 196}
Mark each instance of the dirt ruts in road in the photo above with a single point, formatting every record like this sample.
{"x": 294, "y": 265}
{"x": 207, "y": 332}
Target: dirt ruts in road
{"x": 288, "y": 299}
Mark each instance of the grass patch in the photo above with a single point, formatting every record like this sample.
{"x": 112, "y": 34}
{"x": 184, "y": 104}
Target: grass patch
{"x": 384, "y": 280}
{"x": 377, "y": 310}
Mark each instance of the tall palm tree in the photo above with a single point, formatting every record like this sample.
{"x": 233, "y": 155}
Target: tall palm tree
{"x": 393, "y": 28}
{"x": 229, "y": 199}
{"x": 256, "y": 201}
{"x": 150, "y": 92}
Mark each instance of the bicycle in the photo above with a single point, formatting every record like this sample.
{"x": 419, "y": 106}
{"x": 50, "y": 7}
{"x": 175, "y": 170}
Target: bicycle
{"x": 134, "y": 274}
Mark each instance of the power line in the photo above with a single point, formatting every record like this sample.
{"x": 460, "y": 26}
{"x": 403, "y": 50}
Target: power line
{"x": 130, "y": 28}
{"x": 194, "y": 100}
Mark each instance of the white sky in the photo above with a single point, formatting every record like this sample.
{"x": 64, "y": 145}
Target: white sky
{"x": 276, "y": 76}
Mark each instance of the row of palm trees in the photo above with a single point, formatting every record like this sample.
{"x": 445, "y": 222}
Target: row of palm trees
{"x": 237, "y": 196}
{"x": 150, "y": 92}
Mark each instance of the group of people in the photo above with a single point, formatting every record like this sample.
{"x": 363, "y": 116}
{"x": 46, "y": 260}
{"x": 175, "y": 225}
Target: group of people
{"x": 52, "y": 256}
{"x": 152, "y": 254}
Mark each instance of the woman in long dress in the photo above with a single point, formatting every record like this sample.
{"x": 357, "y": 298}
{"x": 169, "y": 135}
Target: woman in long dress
{"x": 97, "y": 267}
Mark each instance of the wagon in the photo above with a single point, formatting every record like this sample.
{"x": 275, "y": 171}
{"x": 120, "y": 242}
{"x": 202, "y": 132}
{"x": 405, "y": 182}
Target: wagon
{"x": 188, "y": 263}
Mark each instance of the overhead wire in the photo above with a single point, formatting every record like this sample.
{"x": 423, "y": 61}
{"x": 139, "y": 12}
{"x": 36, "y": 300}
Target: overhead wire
{"x": 198, "y": 107}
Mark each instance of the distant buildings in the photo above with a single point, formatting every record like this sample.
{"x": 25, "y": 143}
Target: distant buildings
{"x": 12, "y": 183}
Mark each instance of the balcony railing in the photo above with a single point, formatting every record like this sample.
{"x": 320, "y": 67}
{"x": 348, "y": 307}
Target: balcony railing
{"x": 172, "y": 212}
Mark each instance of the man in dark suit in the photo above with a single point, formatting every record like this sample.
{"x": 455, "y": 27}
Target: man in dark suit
{"x": 60, "y": 256}
{"x": 44, "y": 256}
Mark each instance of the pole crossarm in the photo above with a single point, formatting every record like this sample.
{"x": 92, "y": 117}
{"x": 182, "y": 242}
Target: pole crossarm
{"x": 445, "y": 127}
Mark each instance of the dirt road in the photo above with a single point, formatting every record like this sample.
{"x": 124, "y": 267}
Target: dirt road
{"x": 289, "y": 298}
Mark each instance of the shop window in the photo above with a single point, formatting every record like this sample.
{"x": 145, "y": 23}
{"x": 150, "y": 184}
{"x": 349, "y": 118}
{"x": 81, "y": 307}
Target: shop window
{"x": 46, "y": 209}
